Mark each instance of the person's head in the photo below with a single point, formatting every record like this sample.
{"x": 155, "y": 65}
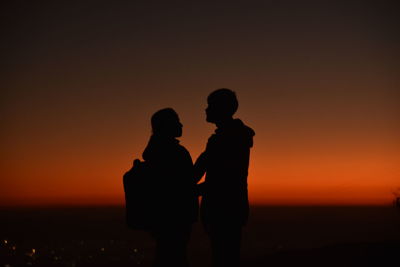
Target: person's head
{"x": 222, "y": 104}
{"x": 166, "y": 122}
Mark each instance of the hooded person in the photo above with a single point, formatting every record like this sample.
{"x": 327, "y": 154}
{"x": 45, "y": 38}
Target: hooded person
{"x": 224, "y": 207}
{"x": 175, "y": 206}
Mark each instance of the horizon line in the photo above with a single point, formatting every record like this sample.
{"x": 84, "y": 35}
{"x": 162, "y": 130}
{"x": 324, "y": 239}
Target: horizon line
{"x": 38, "y": 206}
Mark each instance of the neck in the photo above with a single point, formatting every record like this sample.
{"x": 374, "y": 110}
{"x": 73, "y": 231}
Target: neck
{"x": 163, "y": 136}
{"x": 222, "y": 123}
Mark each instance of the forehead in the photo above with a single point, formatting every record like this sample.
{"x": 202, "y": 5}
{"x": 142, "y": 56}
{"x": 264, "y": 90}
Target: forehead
{"x": 174, "y": 117}
{"x": 212, "y": 102}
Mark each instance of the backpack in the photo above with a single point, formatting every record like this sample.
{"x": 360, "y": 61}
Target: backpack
{"x": 139, "y": 200}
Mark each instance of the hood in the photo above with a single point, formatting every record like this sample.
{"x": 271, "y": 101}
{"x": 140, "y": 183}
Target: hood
{"x": 158, "y": 144}
{"x": 237, "y": 129}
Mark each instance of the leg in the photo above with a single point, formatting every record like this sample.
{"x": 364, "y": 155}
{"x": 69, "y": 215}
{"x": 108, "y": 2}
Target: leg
{"x": 171, "y": 247}
{"x": 225, "y": 245}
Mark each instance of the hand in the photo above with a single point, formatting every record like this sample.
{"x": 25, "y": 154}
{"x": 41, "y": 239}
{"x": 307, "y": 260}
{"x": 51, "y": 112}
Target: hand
{"x": 200, "y": 189}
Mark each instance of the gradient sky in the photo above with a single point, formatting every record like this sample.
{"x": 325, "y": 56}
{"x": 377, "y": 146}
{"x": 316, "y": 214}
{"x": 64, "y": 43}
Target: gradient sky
{"x": 317, "y": 81}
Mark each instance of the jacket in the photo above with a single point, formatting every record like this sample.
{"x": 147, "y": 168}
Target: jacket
{"x": 226, "y": 161}
{"x": 174, "y": 185}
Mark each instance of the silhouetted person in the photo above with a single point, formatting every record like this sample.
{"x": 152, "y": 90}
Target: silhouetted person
{"x": 224, "y": 206}
{"x": 174, "y": 189}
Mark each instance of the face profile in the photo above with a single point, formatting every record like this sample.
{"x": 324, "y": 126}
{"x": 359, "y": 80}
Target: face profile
{"x": 211, "y": 113}
{"x": 176, "y": 127}
{"x": 165, "y": 122}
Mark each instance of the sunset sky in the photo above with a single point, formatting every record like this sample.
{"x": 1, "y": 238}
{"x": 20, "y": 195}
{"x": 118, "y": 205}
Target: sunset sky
{"x": 317, "y": 81}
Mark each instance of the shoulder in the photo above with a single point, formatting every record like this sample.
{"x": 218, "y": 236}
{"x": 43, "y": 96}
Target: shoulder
{"x": 242, "y": 133}
{"x": 213, "y": 138}
{"x": 183, "y": 151}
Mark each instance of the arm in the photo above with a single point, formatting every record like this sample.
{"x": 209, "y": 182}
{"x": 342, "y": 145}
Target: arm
{"x": 200, "y": 167}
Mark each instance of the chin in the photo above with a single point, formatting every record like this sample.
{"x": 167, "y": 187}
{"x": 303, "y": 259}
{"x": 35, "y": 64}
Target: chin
{"x": 208, "y": 119}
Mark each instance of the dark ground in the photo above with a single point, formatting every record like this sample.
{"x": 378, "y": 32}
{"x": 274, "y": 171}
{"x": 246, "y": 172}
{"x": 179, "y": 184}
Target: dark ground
{"x": 275, "y": 236}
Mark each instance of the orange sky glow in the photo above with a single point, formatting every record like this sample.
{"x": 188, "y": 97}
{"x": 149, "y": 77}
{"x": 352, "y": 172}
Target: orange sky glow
{"x": 318, "y": 84}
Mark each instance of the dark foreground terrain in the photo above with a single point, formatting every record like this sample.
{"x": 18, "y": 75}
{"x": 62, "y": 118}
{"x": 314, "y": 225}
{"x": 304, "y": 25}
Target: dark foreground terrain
{"x": 275, "y": 236}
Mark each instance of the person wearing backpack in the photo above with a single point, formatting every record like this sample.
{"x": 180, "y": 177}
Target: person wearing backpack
{"x": 175, "y": 201}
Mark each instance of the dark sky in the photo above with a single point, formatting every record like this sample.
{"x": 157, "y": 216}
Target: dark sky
{"x": 317, "y": 80}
